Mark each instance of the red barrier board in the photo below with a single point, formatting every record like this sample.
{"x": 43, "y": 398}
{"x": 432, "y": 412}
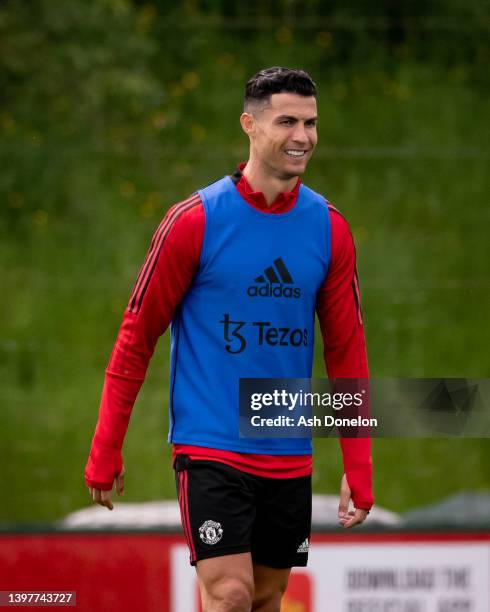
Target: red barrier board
{"x": 113, "y": 571}
{"x": 354, "y": 571}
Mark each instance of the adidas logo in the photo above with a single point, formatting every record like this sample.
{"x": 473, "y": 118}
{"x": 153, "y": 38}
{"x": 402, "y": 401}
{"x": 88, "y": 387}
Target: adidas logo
{"x": 275, "y": 282}
{"x": 304, "y": 547}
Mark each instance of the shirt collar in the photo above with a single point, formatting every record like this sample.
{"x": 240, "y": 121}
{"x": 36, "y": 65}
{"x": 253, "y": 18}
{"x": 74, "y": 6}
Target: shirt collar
{"x": 284, "y": 201}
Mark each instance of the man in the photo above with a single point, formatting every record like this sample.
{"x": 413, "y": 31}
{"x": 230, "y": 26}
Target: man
{"x": 239, "y": 269}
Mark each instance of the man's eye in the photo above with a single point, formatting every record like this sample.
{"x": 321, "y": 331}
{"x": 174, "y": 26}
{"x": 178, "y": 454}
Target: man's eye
{"x": 287, "y": 121}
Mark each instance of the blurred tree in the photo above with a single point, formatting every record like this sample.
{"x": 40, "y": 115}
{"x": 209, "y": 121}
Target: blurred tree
{"x": 105, "y": 80}
{"x": 74, "y": 82}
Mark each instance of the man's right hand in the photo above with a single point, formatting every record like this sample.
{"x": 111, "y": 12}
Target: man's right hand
{"x": 104, "y": 498}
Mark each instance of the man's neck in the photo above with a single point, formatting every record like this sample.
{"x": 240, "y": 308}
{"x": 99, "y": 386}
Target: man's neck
{"x": 270, "y": 185}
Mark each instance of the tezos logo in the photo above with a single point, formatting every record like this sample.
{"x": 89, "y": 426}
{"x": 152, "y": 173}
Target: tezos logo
{"x": 264, "y": 333}
{"x": 274, "y": 282}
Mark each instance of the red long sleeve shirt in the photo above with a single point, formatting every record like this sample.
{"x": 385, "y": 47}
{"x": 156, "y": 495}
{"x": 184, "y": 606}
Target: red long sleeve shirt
{"x": 170, "y": 266}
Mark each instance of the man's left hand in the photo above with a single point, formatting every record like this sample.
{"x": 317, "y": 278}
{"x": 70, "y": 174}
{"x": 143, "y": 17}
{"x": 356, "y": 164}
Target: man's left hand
{"x": 353, "y": 517}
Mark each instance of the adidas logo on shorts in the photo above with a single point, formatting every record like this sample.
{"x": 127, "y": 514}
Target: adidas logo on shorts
{"x": 304, "y": 547}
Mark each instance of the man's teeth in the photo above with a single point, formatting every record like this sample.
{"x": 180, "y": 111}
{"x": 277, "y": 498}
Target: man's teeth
{"x": 295, "y": 153}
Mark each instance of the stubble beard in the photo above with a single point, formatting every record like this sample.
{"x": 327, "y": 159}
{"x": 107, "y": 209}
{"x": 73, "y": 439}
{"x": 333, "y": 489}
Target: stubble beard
{"x": 277, "y": 169}
{"x": 287, "y": 174}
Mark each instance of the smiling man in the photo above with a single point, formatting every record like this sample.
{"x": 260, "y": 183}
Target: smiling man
{"x": 239, "y": 269}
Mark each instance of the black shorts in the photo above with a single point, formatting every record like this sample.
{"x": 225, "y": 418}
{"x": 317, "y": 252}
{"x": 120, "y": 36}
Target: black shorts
{"x": 226, "y": 511}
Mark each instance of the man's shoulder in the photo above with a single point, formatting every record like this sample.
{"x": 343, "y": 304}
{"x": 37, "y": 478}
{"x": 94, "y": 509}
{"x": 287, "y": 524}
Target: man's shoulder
{"x": 192, "y": 201}
{"x": 223, "y": 179}
{"x": 338, "y": 221}
{"x": 313, "y": 194}
{"x": 183, "y": 215}
{"x": 335, "y": 212}
{"x": 323, "y": 200}
{"x": 191, "y": 209}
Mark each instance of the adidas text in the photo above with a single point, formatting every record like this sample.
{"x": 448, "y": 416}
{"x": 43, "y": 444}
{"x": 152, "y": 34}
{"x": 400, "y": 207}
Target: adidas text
{"x": 274, "y": 291}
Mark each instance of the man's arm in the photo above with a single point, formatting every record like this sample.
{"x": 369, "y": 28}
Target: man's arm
{"x": 339, "y": 313}
{"x": 164, "y": 278}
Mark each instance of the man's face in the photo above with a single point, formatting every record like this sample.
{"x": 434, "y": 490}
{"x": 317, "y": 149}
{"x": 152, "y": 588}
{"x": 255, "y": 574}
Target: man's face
{"x": 283, "y": 134}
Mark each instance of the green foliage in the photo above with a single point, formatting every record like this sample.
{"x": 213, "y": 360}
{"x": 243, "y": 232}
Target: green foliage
{"x": 110, "y": 111}
{"x": 77, "y": 94}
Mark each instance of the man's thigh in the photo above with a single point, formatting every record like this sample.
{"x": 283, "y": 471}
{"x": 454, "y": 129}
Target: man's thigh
{"x": 269, "y": 586}
{"x": 234, "y": 575}
{"x": 221, "y": 577}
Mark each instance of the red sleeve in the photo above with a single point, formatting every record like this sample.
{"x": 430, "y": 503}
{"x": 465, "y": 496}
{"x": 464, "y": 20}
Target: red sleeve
{"x": 164, "y": 278}
{"x": 339, "y": 312}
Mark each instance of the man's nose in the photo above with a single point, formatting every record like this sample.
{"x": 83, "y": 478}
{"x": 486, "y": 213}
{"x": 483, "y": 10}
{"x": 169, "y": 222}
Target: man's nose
{"x": 299, "y": 134}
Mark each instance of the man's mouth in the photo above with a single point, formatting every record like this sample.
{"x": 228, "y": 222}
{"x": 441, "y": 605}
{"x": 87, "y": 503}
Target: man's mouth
{"x": 296, "y": 153}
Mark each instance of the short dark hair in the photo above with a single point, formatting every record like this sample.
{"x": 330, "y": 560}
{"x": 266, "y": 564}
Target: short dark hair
{"x": 277, "y": 80}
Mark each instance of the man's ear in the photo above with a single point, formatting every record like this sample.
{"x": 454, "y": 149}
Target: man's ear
{"x": 247, "y": 122}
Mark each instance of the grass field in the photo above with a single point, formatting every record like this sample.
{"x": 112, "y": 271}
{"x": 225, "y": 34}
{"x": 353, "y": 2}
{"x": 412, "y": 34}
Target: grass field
{"x": 403, "y": 155}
